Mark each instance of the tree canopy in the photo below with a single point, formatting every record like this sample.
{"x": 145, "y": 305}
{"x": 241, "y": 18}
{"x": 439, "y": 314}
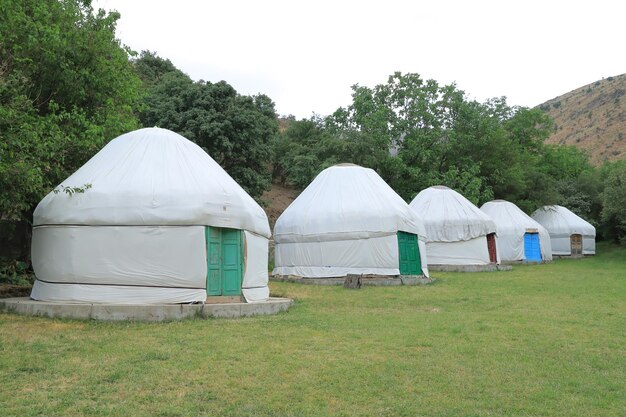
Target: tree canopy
{"x": 66, "y": 87}
{"x": 417, "y": 133}
{"x": 234, "y": 129}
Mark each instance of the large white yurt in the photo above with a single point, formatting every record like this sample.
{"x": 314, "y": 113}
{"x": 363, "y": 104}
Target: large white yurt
{"x": 162, "y": 222}
{"x": 570, "y": 235}
{"x": 520, "y": 238}
{"x": 349, "y": 221}
{"x": 458, "y": 233}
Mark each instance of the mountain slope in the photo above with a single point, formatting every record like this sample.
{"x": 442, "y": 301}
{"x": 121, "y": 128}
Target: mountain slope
{"x": 592, "y": 117}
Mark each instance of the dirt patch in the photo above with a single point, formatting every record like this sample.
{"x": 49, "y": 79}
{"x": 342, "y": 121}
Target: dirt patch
{"x": 276, "y": 200}
{"x": 12, "y": 290}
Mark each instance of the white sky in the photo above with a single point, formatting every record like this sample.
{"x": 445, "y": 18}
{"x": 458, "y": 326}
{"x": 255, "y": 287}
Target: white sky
{"x": 305, "y": 55}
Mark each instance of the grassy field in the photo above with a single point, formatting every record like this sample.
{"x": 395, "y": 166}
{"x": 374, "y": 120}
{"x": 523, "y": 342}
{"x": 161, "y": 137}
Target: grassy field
{"x": 544, "y": 340}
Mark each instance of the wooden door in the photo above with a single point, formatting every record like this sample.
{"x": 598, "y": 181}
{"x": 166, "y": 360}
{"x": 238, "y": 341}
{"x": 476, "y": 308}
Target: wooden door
{"x": 409, "y": 254}
{"x": 491, "y": 247}
{"x": 231, "y": 262}
{"x": 224, "y": 261}
{"x": 577, "y": 245}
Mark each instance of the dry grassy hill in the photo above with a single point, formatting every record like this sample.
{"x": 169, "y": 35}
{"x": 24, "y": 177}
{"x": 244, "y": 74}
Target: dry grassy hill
{"x": 593, "y": 118}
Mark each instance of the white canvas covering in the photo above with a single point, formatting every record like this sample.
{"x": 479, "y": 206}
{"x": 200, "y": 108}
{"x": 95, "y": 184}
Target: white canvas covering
{"x": 511, "y": 225}
{"x": 455, "y": 228}
{"x": 137, "y": 236}
{"x": 463, "y": 252}
{"x": 561, "y": 223}
{"x": 345, "y": 221}
{"x": 255, "y": 277}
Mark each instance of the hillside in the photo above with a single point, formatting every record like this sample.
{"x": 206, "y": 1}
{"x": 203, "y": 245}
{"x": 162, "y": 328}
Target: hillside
{"x": 276, "y": 200}
{"x": 592, "y": 117}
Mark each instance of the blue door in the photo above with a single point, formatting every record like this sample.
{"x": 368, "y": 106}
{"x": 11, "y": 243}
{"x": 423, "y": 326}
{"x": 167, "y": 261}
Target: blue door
{"x": 532, "y": 251}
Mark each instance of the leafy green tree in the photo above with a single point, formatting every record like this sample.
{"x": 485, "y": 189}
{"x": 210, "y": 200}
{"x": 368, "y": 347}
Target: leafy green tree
{"x": 614, "y": 201}
{"x": 235, "y": 130}
{"x": 483, "y": 150}
{"x": 302, "y": 151}
{"x": 66, "y": 87}
{"x": 433, "y": 130}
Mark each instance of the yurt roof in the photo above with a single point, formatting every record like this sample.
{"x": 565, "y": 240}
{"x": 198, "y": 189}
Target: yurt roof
{"x": 561, "y": 222}
{"x": 153, "y": 176}
{"x": 450, "y": 217}
{"x": 346, "y": 202}
{"x": 509, "y": 218}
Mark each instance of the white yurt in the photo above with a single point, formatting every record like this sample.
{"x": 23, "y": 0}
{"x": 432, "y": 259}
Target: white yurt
{"x": 162, "y": 222}
{"x": 349, "y": 221}
{"x": 520, "y": 238}
{"x": 458, "y": 233}
{"x": 570, "y": 235}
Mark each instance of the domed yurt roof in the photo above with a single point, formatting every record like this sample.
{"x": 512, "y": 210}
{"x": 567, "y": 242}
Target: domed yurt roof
{"x": 346, "y": 201}
{"x": 153, "y": 176}
{"x": 450, "y": 217}
{"x": 511, "y": 224}
{"x": 509, "y": 218}
{"x": 561, "y": 222}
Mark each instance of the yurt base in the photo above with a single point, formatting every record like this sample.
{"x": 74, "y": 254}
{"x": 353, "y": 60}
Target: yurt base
{"x": 375, "y": 280}
{"x": 524, "y": 262}
{"x": 154, "y": 313}
{"x": 469, "y": 268}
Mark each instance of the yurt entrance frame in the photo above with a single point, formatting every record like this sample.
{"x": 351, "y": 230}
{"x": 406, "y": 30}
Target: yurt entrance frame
{"x": 491, "y": 247}
{"x": 409, "y": 254}
{"x": 224, "y": 261}
{"x": 532, "y": 249}
{"x": 576, "y": 243}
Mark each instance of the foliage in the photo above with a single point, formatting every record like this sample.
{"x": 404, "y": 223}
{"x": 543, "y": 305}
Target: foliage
{"x": 307, "y": 147}
{"x": 416, "y": 133}
{"x": 71, "y": 190}
{"x": 614, "y": 201}
{"x": 16, "y": 272}
{"x": 66, "y": 87}
{"x": 235, "y": 130}
{"x": 413, "y": 128}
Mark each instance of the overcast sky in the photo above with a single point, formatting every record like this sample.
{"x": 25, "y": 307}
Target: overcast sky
{"x": 306, "y": 55}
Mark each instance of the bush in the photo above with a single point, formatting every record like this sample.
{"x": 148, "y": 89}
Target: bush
{"x": 16, "y": 272}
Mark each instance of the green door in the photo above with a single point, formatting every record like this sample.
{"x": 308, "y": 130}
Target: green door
{"x": 409, "y": 254}
{"x": 224, "y": 261}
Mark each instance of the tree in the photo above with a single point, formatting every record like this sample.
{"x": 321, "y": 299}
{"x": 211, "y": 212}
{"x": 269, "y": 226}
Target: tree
{"x": 66, "y": 87}
{"x": 614, "y": 201}
{"x": 434, "y": 131}
{"x": 235, "y": 130}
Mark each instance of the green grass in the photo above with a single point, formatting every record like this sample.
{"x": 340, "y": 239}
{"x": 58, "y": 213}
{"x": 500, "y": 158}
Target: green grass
{"x": 543, "y": 340}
